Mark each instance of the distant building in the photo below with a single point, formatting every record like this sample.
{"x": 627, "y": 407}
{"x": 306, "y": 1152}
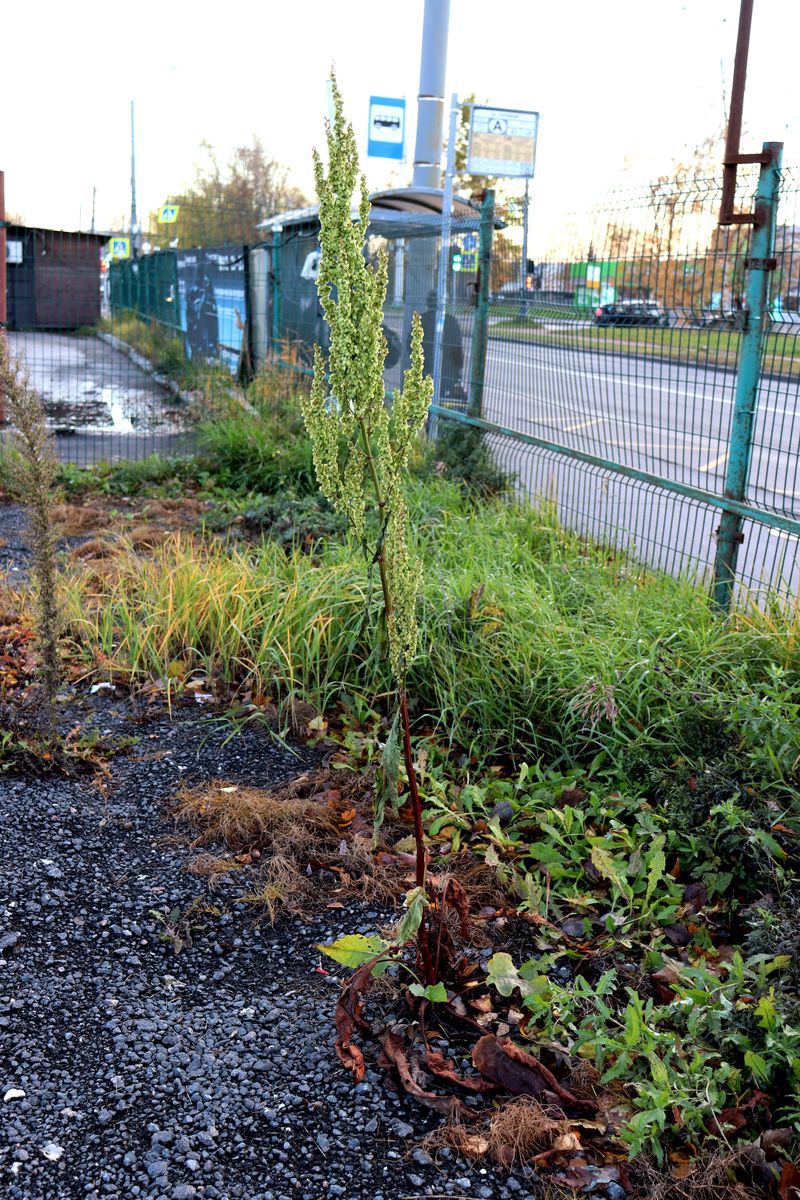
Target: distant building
{"x": 52, "y": 278}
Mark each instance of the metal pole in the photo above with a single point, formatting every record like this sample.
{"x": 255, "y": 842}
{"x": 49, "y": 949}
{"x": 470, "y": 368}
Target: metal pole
{"x": 3, "y": 266}
{"x": 94, "y": 197}
{"x": 444, "y": 260}
{"x": 481, "y": 327}
{"x": 430, "y": 100}
{"x": 524, "y": 263}
{"x": 133, "y": 189}
{"x": 734, "y": 133}
{"x": 276, "y": 292}
{"x": 760, "y": 265}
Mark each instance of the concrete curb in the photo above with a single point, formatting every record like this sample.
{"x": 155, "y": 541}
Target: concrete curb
{"x": 164, "y": 381}
{"x": 143, "y": 364}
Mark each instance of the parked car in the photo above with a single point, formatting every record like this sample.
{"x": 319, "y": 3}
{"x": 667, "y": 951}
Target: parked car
{"x": 717, "y": 318}
{"x": 631, "y": 312}
{"x": 508, "y": 293}
{"x": 512, "y": 294}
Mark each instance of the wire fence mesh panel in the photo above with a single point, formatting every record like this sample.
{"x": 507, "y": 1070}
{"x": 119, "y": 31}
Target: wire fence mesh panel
{"x": 603, "y": 374}
{"x": 625, "y": 346}
{"x": 610, "y": 367}
{"x": 646, "y": 523}
{"x": 101, "y": 402}
{"x": 122, "y": 335}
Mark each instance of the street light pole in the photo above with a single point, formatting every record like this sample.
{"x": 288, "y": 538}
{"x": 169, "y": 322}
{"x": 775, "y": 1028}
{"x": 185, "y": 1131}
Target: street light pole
{"x": 430, "y": 100}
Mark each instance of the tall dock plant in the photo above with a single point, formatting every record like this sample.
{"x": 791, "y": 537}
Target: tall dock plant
{"x": 361, "y": 446}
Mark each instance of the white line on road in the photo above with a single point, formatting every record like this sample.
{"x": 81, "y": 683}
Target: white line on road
{"x": 642, "y": 383}
{"x": 584, "y": 425}
{"x": 715, "y": 462}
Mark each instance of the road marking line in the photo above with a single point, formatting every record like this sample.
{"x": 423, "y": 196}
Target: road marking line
{"x": 642, "y": 383}
{"x": 584, "y": 425}
{"x": 648, "y": 447}
{"x": 715, "y": 462}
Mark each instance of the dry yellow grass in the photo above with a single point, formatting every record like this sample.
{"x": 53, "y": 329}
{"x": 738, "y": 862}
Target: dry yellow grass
{"x": 517, "y": 1131}
{"x": 309, "y": 823}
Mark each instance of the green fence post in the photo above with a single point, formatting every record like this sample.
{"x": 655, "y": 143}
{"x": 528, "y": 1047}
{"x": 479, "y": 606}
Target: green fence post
{"x": 760, "y": 264}
{"x": 276, "y": 292}
{"x": 480, "y": 328}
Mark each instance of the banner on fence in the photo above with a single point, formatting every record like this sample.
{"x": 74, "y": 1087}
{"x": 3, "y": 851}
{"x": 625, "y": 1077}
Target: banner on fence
{"x": 211, "y": 289}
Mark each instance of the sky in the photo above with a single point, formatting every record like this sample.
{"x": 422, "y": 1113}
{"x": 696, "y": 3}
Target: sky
{"x": 622, "y": 88}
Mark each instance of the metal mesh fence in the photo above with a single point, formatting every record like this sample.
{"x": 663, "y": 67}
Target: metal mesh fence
{"x": 624, "y": 348}
{"x": 603, "y": 371}
{"x": 608, "y": 377}
{"x": 119, "y": 335}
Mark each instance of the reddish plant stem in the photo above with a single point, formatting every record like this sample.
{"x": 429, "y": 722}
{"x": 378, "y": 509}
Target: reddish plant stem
{"x": 416, "y": 806}
{"x": 423, "y": 939}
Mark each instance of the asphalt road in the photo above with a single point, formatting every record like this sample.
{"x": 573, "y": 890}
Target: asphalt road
{"x": 100, "y": 405}
{"x": 666, "y": 418}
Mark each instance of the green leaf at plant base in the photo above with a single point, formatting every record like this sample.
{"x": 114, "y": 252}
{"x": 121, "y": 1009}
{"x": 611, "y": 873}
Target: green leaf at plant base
{"x": 609, "y": 869}
{"x": 435, "y": 992}
{"x": 354, "y": 949}
{"x": 758, "y": 1065}
{"x": 416, "y": 903}
{"x": 503, "y": 975}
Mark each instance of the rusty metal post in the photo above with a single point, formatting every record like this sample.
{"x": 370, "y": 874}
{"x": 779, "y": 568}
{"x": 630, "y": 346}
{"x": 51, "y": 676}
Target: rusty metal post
{"x": 734, "y": 134}
{"x": 733, "y": 158}
{"x": 3, "y": 267}
{"x": 3, "y": 276}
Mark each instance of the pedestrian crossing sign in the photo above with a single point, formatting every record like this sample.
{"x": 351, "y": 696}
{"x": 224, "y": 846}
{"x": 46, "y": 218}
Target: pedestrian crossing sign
{"x": 168, "y": 214}
{"x": 120, "y": 247}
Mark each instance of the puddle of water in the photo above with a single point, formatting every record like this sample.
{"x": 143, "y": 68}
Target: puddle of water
{"x": 119, "y": 422}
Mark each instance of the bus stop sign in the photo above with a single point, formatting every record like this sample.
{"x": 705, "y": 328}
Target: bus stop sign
{"x": 502, "y": 142}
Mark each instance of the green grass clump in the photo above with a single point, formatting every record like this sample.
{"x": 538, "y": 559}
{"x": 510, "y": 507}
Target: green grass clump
{"x": 163, "y": 475}
{"x": 531, "y": 643}
{"x": 258, "y": 455}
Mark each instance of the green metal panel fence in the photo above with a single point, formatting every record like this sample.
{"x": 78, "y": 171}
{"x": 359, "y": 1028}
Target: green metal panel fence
{"x": 148, "y": 287}
{"x": 634, "y": 379}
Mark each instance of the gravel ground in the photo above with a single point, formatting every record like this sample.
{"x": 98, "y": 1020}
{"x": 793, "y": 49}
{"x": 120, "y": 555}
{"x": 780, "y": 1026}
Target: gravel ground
{"x": 129, "y": 1071}
{"x": 15, "y": 548}
{"x": 15, "y": 554}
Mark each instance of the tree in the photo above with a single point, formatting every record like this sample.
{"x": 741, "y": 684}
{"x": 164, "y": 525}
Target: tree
{"x": 464, "y": 183}
{"x": 225, "y": 205}
{"x": 683, "y": 202}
